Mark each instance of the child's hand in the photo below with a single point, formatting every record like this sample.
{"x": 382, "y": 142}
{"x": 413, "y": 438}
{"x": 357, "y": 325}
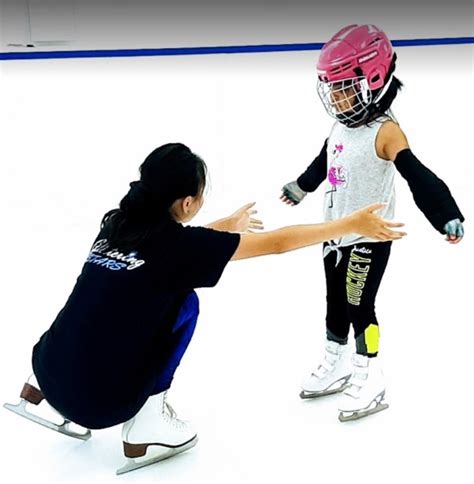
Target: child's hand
{"x": 242, "y": 220}
{"x": 454, "y": 231}
{"x": 292, "y": 194}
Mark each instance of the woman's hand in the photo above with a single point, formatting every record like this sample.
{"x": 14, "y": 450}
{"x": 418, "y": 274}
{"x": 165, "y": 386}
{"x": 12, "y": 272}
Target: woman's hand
{"x": 366, "y": 222}
{"x": 242, "y": 220}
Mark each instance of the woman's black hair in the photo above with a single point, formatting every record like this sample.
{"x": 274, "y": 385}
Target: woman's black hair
{"x": 170, "y": 172}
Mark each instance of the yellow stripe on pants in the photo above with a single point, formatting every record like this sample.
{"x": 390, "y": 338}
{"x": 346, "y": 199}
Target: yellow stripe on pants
{"x": 371, "y": 336}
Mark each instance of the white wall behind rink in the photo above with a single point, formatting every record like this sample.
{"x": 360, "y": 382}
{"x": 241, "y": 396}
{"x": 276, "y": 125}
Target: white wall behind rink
{"x": 116, "y": 24}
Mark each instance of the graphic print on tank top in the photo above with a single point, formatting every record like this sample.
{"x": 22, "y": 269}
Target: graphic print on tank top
{"x": 337, "y": 173}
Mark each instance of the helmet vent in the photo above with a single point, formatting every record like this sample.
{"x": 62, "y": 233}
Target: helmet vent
{"x": 341, "y": 68}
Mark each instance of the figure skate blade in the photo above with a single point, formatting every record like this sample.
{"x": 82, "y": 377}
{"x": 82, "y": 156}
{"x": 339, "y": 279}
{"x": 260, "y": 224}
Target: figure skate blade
{"x": 164, "y": 453}
{"x": 20, "y": 409}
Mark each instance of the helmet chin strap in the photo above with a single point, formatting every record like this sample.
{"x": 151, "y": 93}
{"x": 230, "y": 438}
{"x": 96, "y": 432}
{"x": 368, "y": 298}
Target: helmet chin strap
{"x": 382, "y": 93}
{"x": 352, "y": 120}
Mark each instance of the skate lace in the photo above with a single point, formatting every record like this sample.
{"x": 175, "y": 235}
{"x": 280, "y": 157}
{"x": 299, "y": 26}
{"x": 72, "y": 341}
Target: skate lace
{"x": 170, "y": 415}
{"x": 171, "y": 411}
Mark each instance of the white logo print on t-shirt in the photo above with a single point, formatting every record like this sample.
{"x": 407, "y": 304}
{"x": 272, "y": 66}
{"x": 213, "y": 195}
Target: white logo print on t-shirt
{"x": 112, "y": 259}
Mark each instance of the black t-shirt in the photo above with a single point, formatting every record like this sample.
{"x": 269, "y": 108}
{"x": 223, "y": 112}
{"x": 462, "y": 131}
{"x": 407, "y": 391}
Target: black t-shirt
{"x": 97, "y": 362}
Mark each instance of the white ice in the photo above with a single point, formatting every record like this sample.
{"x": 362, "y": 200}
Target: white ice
{"x": 73, "y": 134}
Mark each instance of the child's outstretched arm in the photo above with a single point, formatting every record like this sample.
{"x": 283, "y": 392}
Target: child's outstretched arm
{"x": 431, "y": 194}
{"x": 294, "y": 192}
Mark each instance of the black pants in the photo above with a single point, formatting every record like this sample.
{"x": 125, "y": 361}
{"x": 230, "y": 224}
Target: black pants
{"x": 351, "y": 287}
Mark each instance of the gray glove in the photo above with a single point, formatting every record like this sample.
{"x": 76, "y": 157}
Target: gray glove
{"x": 293, "y": 192}
{"x": 454, "y": 228}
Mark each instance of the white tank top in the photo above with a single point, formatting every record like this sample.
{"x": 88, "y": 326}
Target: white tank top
{"x": 356, "y": 177}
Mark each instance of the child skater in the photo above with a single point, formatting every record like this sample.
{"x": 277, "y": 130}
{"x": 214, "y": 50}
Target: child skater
{"x": 358, "y": 161}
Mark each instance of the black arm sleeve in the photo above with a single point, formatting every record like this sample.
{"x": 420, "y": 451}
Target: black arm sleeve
{"x": 431, "y": 195}
{"x": 316, "y": 173}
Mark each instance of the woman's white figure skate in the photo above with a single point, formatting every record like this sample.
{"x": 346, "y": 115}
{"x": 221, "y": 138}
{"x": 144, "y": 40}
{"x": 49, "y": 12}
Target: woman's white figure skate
{"x": 331, "y": 375}
{"x": 32, "y": 395}
{"x": 366, "y": 392}
{"x": 154, "y": 434}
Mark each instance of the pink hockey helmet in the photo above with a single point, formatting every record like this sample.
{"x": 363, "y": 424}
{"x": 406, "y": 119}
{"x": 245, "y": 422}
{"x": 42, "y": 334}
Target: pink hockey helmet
{"x": 357, "y": 46}
{"x": 358, "y": 57}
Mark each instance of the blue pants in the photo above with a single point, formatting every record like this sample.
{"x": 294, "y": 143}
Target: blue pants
{"x": 176, "y": 344}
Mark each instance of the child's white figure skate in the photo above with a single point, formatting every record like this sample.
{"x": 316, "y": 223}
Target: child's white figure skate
{"x": 32, "y": 395}
{"x": 366, "y": 392}
{"x": 331, "y": 375}
{"x": 154, "y": 434}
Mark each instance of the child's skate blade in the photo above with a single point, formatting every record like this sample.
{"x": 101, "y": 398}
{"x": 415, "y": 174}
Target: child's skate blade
{"x": 336, "y": 387}
{"x": 347, "y": 416}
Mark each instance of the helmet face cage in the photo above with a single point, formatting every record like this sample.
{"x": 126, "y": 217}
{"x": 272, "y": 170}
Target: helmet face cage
{"x": 346, "y": 100}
